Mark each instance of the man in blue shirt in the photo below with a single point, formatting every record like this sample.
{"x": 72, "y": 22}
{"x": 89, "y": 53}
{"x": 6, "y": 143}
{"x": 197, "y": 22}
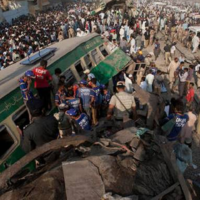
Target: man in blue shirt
{"x": 25, "y": 83}
{"x": 87, "y": 97}
{"x": 74, "y": 102}
{"x": 180, "y": 121}
{"x": 106, "y": 96}
{"x": 82, "y": 119}
{"x": 61, "y": 95}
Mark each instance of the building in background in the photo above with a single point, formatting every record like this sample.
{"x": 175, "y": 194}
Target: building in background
{"x": 10, "y": 9}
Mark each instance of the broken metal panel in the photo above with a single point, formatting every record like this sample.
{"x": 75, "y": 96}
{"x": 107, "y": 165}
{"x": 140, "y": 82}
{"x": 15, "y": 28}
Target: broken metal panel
{"x": 53, "y": 145}
{"x": 111, "y": 66}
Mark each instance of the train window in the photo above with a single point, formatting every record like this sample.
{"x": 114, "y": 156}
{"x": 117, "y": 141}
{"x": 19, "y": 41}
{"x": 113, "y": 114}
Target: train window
{"x": 21, "y": 118}
{"x": 70, "y": 79}
{"x": 88, "y": 61}
{"x": 103, "y": 51}
{"x": 6, "y": 140}
{"x": 96, "y": 56}
{"x": 79, "y": 69}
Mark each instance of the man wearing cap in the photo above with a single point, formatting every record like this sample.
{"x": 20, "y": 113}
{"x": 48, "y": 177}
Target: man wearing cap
{"x": 80, "y": 33}
{"x": 26, "y": 92}
{"x": 81, "y": 119}
{"x": 87, "y": 97}
{"x": 64, "y": 124}
{"x": 90, "y": 76}
{"x": 122, "y": 103}
{"x": 140, "y": 58}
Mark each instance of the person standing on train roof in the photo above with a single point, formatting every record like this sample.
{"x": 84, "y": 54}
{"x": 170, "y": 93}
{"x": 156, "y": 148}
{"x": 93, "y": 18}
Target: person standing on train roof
{"x": 25, "y": 83}
{"x": 42, "y": 78}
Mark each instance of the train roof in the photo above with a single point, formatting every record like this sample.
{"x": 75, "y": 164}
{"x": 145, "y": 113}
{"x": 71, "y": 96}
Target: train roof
{"x": 9, "y": 76}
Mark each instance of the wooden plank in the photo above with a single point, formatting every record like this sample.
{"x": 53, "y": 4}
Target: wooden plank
{"x": 53, "y": 145}
{"x": 176, "y": 174}
{"x": 168, "y": 190}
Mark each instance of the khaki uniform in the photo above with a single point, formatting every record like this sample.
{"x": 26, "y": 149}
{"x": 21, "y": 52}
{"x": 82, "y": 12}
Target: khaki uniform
{"x": 173, "y": 29}
{"x": 156, "y": 26}
{"x": 128, "y": 103}
{"x": 171, "y": 69}
{"x": 180, "y": 33}
{"x": 175, "y": 39}
{"x": 167, "y": 57}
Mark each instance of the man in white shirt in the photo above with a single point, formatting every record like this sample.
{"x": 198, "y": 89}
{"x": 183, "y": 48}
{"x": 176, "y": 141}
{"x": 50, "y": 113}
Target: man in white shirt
{"x": 172, "y": 51}
{"x": 197, "y": 67}
{"x": 182, "y": 82}
{"x": 102, "y": 15}
{"x": 143, "y": 84}
{"x": 195, "y": 43}
{"x": 128, "y": 83}
{"x": 80, "y": 33}
{"x": 122, "y": 32}
{"x": 132, "y": 48}
{"x": 149, "y": 80}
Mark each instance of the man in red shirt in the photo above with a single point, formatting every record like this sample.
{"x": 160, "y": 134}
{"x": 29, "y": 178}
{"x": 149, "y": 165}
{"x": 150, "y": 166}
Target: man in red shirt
{"x": 190, "y": 94}
{"x": 42, "y": 78}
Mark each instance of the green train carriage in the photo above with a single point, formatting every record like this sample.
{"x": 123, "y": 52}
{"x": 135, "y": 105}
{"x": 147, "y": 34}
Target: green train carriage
{"x": 73, "y": 56}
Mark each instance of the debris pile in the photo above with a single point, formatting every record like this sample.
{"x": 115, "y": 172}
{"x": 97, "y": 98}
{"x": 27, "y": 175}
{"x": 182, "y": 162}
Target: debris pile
{"x": 128, "y": 165}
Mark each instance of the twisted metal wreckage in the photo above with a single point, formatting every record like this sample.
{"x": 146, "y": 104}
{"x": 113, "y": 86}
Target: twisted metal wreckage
{"x": 135, "y": 163}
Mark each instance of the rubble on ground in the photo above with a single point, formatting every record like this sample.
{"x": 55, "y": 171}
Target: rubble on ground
{"x": 128, "y": 165}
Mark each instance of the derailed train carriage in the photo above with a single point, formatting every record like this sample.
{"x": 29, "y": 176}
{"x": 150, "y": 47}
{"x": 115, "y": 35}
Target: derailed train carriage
{"x": 72, "y": 56}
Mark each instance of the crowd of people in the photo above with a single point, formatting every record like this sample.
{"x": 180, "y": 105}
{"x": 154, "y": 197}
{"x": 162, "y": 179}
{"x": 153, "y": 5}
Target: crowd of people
{"x": 28, "y": 34}
{"x": 81, "y": 105}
